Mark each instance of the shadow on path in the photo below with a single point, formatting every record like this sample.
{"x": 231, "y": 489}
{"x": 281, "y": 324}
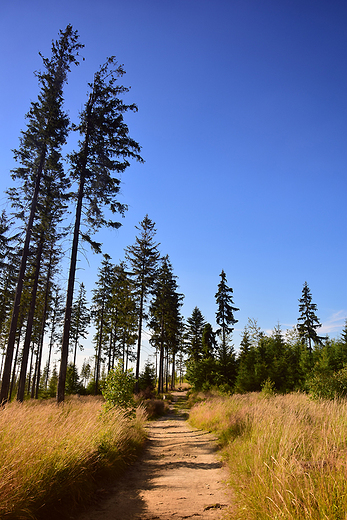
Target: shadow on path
{"x": 178, "y": 476}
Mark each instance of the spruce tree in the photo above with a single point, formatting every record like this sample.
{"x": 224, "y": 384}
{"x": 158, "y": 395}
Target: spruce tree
{"x": 86, "y": 372}
{"x": 208, "y": 342}
{"x": 308, "y": 323}
{"x": 123, "y": 317}
{"x": 100, "y": 311}
{"x": 226, "y": 321}
{"x": 166, "y": 321}
{"x": 41, "y": 143}
{"x": 9, "y": 266}
{"x": 193, "y": 334}
{"x": 245, "y": 379}
{"x": 143, "y": 258}
{"x": 225, "y": 313}
{"x": 80, "y": 320}
{"x": 344, "y": 334}
{"x": 104, "y": 151}
{"x": 55, "y": 319}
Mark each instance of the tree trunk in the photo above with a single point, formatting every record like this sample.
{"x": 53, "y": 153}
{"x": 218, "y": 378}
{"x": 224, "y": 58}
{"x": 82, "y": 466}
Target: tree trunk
{"x": 97, "y": 368}
{"x": 161, "y": 369}
{"x": 43, "y": 323}
{"x": 109, "y": 364}
{"x": 173, "y": 372}
{"x": 30, "y": 369}
{"x": 51, "y": 341}
{"x": 114, "y": 348}
{"x": 33, "y": 386}
{"x": 16, "y": 306}
{"x": 69, "y": 298}
{"x": 137, "y": 374}
{"x": 2, "y": 364}
{"x": 167, "y": 370}
{"x": 38, "y": 372}
{"x": 26, "y": 347}
{"x": 73, "y": 262}
{"x": 14, "y": 366}
{"x": 74, "y": 362}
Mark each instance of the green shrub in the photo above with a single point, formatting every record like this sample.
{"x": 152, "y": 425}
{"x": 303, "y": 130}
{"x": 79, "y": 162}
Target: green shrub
{"x": 328, "y": 386}
{"x": 118, "y": 388}
{"x": 268, "y": 388}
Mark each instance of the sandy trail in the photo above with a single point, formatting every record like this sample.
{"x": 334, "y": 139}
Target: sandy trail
{"x": 178, "y": 476}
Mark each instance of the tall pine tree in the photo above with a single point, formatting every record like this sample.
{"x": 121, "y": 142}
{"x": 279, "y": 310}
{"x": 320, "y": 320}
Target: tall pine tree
{"x": 166, "y": 320}
{"x": 308, "y": 323}
{"x": 41, "y": 143}
{"x": 193, "y": 334}
{"x": 225, "y": 313}
{"x": 104, "y": 151}
{"x": 80, "y": 319}
{"x": 101, "y": 306}
{"x": 143, "y": 258}
{"x": 226, "y": 321}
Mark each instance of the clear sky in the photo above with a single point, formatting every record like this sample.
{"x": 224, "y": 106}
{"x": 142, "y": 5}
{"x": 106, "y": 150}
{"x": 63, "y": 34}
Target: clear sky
{"x": 242, "y": 123}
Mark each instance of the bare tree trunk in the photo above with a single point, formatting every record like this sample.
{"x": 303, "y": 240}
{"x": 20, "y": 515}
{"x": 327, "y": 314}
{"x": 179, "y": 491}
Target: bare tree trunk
{"x": 33, "y": 386}
{"x": 38, "y": 371}
{"x": 167, "y": 370}
{"x": 109, "y": 363}
{"x": 97, "y": 371}
{"x": 26, "y": 347}
{"x": 51, "y": 341}
{"x": 137, "y": 373}
{"x": 30, "y": 368}
{"x": 43, "y": 323}
{"x": 161, "y": 369}
{"x": 114, "y": 349}
{"x": 123, "y": 354}
{"x": 127, "y": 359}
{"x": 14, "y": 366}
{"x": 69, "y": 298}
{"x": 173, "y": 372}
{"x": 16, "y": 306}
{"x": 2, "y": 363}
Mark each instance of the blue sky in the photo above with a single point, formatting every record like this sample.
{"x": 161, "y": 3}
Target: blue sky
{"x": 242, "y": 123}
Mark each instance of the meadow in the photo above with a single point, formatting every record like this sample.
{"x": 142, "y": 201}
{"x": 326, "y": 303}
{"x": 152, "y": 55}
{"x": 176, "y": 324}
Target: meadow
{"x": 286, "y": 454}
{"x": 52, "y": 455}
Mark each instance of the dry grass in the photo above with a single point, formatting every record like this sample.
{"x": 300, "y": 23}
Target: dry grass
{"x": 287, "y": 455}
{"x": 50, "y": 454}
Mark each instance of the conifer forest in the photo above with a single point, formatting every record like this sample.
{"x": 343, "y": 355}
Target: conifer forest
{"x": 44, "y": 324}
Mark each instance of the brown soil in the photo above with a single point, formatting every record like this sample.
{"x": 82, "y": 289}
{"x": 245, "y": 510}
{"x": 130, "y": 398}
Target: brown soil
{"x": 178, "y": 476}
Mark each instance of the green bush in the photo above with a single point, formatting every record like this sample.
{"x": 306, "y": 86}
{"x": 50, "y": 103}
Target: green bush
{"x": 118, "y": 388}
{"x": 268, "y": 388}
{"x": 328, "y": 386}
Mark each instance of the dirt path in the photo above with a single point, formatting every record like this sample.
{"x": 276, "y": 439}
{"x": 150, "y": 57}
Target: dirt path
{"x": 179, "y": 476}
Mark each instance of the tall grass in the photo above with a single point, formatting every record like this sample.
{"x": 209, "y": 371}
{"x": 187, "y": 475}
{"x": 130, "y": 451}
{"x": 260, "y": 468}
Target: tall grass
{"x": 51, "y": 455}
{"x": 287, "y": 455}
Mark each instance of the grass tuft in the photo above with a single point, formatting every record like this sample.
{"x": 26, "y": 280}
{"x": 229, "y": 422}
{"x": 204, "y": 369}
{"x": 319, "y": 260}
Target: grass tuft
{"x": 51, "y": 455}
